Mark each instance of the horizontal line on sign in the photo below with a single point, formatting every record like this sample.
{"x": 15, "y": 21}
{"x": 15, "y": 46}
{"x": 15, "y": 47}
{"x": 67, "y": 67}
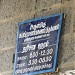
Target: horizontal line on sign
{"x": 36, "y": 40}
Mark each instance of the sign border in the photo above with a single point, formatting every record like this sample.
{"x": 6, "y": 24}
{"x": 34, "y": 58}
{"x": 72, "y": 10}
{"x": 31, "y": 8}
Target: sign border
{"x": 55, "y": 57}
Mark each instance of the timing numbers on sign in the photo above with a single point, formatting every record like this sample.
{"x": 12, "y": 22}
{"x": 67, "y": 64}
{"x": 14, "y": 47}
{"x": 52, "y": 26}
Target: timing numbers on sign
{"x": 33, "y": 62}
{"x": 41, "y": 53}
{"x": 49, "y": 51}
{"x": 33, "y": 54}
{"x": 46, "y": 52}
{"x": 40, "y": 60}
{"x": 45, "y": 59}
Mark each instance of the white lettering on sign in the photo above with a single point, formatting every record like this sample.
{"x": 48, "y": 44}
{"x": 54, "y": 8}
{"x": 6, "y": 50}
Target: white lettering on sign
{"x": 39, "y": 25}
{"x": 29, "y": 48}
{"x": 33, "y": 68}
{"x": 45, "y": 30}
{"x": 43, "y": 45}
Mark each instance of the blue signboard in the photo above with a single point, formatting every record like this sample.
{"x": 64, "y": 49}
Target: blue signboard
{"x": 37, "y": 45}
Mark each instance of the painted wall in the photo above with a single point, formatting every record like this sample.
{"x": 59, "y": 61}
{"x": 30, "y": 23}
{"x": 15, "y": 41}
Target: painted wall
{"x": 13, "y": 11}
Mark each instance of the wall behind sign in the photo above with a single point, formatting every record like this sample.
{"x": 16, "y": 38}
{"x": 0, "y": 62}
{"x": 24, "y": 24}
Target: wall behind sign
{"x": 13, "y": 11}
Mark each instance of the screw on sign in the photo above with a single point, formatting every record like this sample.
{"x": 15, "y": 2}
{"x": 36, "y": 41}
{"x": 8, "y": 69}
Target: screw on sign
{"x": 70, "y": 72}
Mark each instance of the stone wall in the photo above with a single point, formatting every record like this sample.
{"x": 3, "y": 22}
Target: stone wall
{"x": 13, "y": 11}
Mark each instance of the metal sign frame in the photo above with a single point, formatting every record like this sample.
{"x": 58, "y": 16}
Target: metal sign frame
{"x": 56, "y": 49}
